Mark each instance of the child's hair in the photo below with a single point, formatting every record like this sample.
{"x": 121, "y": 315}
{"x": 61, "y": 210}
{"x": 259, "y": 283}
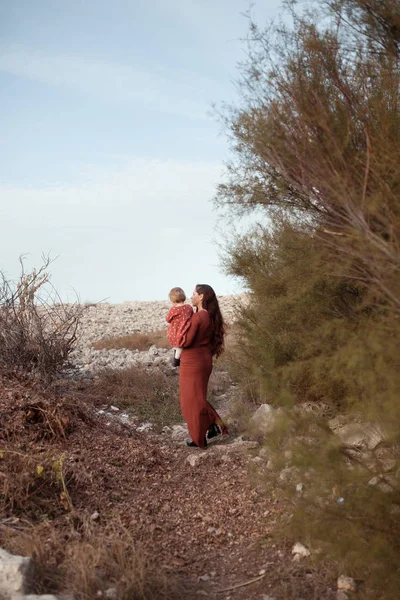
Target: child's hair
{"x": 177, "y": 295}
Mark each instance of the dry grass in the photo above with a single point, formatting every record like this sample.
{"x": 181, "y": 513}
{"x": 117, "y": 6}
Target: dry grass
{"x": 149, "y": 395}
{"x": 134, "y": 341}
{"x": 87, "y": 559}
{"x": 143, "y": 341}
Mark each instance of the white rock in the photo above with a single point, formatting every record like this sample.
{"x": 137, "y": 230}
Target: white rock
{"x": 106, "y": 320}
{"x": 297, "y": 558}
{"x": 300, "y": 550}
{"x": 211, "y": 530}
{"x": 33, "y": 597}
{"x": 379, "y": 482}
{"x": 226, "y": 458}
{"x": 179, "y": 432}
{"x": 125, "y": 418}
{"x": 264, "y": 418}
{"x": 145, "y": 427}
{"x": 358, "y": 434}
{"x": 257, "y": 459}
{"x": 15, "y": 574}
{"x": 389, "y": 464}
{"x": 346, "y": 584}
{"x": 193, "y": 459}
{"x": 288, "y": 474}
{"x": 95, "y": 516}
{"x": 111, "y": 593}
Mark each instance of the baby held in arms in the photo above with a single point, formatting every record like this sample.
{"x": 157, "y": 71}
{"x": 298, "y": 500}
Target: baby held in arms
{"x": 178, "y": 318}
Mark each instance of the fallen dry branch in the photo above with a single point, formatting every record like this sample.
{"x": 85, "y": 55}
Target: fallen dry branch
{"x": 240, "y": 585}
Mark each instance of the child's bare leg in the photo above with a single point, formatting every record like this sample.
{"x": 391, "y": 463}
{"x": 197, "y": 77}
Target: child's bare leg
{"x": 176, "y": 361}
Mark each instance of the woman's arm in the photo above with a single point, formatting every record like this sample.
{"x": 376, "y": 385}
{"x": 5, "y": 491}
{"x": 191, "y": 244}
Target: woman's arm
{"x": 192, "y": 331}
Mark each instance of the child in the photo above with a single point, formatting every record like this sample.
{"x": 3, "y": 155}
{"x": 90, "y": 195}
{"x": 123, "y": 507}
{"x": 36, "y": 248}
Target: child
{"x": 178, "y": 318}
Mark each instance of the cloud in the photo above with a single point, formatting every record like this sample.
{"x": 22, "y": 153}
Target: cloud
{"x": 127, "y": 234}
{"x": 167, "y": 90}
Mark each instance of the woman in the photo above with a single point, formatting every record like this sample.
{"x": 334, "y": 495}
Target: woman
{"x": 204, "y": 339}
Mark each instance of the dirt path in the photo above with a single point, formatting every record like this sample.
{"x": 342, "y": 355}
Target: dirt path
{"x": 206, "y": 522}
{"x": 197, "y": 514}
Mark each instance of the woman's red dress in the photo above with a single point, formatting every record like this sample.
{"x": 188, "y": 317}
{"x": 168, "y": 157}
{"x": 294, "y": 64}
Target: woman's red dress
{"x": 195, "y": 371}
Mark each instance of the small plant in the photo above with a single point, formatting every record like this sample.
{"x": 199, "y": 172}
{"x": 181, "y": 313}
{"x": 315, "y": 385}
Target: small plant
{"x": 65, "y": 498}
{"x": 34, "y": 483}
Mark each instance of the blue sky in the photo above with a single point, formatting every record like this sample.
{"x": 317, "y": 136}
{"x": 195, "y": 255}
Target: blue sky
{"x": 110, "y": 153}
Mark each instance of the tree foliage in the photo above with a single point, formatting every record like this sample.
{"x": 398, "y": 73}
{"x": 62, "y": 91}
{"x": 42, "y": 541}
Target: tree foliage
{"x": 316, "y": 148}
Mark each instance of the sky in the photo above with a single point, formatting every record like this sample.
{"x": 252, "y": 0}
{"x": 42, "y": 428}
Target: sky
{"x": 110, "y": 148}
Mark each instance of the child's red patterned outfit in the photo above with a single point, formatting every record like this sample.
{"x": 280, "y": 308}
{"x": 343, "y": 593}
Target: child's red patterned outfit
{"x": 178, "y": 318}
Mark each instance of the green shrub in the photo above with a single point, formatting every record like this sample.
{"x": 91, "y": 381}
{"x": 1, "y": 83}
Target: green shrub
{"x": 316, "y": 144}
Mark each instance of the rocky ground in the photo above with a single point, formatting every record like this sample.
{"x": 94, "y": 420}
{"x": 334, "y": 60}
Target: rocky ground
{"x": 102, "y": 321}
{"x": 203, "y": 516}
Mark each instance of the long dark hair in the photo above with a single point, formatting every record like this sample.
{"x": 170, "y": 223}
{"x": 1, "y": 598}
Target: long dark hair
{"x": 210, "y": 303}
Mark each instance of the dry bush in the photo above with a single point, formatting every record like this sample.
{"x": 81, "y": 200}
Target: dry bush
{"x": 37, "y": 330}
{"x": 150, "y": 395}
{"x": 36, "y": 418}
{"x": 86, "y": 559}
{"x": 34, "y": 410}
{"x": 134, "y": 341}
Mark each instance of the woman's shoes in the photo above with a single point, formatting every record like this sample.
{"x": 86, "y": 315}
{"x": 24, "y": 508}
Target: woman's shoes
{"x": 213, "y": 431}
{"x": 192, "y": 444}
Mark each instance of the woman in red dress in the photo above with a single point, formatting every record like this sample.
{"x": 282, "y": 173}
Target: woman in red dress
{"x": 204, "y": 339}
